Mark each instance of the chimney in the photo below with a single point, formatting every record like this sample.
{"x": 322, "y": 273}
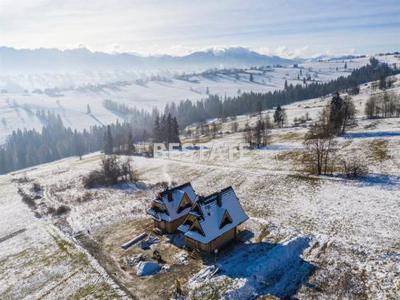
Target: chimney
{"x": 219, "y": 200}
{"x": 169, "y": 195}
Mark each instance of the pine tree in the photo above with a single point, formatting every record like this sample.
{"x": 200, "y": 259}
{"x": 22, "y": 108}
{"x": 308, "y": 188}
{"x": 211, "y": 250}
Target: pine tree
{"x": 157, "y": 130}
{"x": 78, "y": 143}
{"x": 382, "y": 83}
{"x": 108, "y": 141}
{"x": 130, "y": 146}
{"x": 163, "y": 130}
{"x": 279, "y": 116}
{"x": 88, "y": 110}
{"x": 169, "y": 137}
{"x": 175, "y": 131}
{"x": 251, "y": 77}
{"x": 336, "y": 114}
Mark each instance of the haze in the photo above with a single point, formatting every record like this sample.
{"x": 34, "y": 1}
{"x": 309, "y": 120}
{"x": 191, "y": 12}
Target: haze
{"x": 285, "y": 28}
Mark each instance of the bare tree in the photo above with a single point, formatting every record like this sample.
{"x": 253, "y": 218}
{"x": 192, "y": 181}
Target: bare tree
{"x": 235, "y": 126}
{"x": 320, "y": 146}
{"x": 353, "y": 167}
{"x": 349, "y": 112}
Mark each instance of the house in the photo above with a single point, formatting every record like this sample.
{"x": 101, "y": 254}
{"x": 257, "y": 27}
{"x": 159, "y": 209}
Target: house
{"x": 171, "y": 207}
{"x": 213, "y": 220}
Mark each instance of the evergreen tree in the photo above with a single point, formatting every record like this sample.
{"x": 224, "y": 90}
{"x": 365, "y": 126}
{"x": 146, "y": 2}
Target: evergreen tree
{"x": 279, "y": 116}
{"x": 108, "y": 141}
{"x": 157, "y": 130}
{"x": 341, "y": 114}
{"x": 382, "y": 83}
{"x": 88, "y": 110}
{"x": 130, "y": 146}
{"x": 169, "y": 135}
{"x": 78, "y": 144}
{"x": 175, "y": 131}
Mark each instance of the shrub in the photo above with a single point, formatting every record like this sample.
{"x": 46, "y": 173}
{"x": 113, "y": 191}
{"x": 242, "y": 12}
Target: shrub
{"x": 36, "y": 187}
{"x": 112, "y": 172}
{"x": 27, "y": 199}
{"x": 354, "y": 168}
{"x": 61, "y": 210}
{"x": 23, "y": 179}
{"x": 51, "y": 210}
{"x": 85, "y": 197}
{"x": 95, "y": 178}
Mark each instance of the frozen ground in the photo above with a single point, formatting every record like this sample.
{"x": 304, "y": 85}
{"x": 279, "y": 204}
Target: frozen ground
{"x": 38, "y": 261}
{"x": 308, "y": 237}
{"x": 69, "y": 94}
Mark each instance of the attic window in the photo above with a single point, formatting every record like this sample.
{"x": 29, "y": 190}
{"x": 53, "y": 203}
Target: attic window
{"x": 185, "y": 203}
{"x": 188, "y": 221}
{"x": 226, "y": 219}
{"x": 181, "y": 208}
{"x": 197, "y": 228}
{"x": 197, "y": 209}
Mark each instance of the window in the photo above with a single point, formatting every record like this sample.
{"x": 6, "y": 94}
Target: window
{"x": 197, "y": 228}
{"x": 226, "y": 219}
{"x": 185, "y": 203}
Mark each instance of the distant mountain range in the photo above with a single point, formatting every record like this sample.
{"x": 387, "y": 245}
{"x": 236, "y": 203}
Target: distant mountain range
{"x": 54, "y": 60}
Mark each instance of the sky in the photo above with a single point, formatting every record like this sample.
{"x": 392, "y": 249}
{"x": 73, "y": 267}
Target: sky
{"x": 286, "y": 28}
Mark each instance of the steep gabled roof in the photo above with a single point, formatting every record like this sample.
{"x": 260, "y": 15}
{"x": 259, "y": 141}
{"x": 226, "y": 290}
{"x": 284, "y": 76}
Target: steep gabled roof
{"x": 171, "y": 199}
{"x": 221, "y": 212}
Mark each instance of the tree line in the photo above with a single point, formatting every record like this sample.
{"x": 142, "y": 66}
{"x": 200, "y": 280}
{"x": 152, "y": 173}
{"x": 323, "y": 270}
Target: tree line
{"x": 382, "y": 105}
{"x": 24, "y": 148}
{"x": 214, "y": 106}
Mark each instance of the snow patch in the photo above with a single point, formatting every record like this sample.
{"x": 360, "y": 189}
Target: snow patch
{"x": 147, "y": 268}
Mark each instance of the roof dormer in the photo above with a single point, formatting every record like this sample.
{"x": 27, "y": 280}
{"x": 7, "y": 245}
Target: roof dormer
{"x": 226, "y": 219}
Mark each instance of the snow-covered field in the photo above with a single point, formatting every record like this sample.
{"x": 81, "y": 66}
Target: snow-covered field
{"x": 69, "y": 94}
{"x": 38, "y": 261}
{"x": 308, "y": 237}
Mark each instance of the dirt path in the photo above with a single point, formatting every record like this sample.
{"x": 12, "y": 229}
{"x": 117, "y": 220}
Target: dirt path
{"x": 11, "y": 235}
{"x": 106, "y": 262}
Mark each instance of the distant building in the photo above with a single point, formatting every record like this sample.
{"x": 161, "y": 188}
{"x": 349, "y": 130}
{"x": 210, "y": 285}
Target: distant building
{"x": 213, "y": 220}
{"x": 172, "y": 206}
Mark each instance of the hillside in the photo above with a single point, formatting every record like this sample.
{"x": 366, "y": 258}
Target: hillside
{"x": 68, "y": 94}
{"x": 310, "y": 237}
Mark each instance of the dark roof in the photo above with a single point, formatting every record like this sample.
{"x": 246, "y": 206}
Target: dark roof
{"x": 214, "y": 196}
{"x": 163, "y": 193}
{"x": 214, "y": 207}
{"x": 170, "y": 200}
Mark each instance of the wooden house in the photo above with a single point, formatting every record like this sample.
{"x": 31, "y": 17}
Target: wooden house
{"x": 171, "y": 207}
{"x": 213, "y": 220}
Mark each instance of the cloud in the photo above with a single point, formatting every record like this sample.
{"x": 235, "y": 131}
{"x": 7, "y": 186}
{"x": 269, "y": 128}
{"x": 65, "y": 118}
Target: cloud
{"x": 305, "y": 28}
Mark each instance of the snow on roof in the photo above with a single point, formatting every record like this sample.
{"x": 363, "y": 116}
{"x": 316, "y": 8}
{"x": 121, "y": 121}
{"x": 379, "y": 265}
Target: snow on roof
{"x": 169, "y": 200}
{"x": 215, "y": 208}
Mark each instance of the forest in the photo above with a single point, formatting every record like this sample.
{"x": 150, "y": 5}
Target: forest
{"x": 214, "y": 106}
{"x": 24, "y": 148}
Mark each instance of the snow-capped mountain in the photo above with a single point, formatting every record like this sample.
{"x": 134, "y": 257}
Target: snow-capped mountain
{"x": 81, "y": 59}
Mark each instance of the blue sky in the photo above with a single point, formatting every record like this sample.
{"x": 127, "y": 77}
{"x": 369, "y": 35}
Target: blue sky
{"x": 286, "y": 28}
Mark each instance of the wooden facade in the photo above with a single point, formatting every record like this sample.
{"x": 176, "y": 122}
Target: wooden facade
{"x": 169, "y": 227}
{"x": 217, "y": 243}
